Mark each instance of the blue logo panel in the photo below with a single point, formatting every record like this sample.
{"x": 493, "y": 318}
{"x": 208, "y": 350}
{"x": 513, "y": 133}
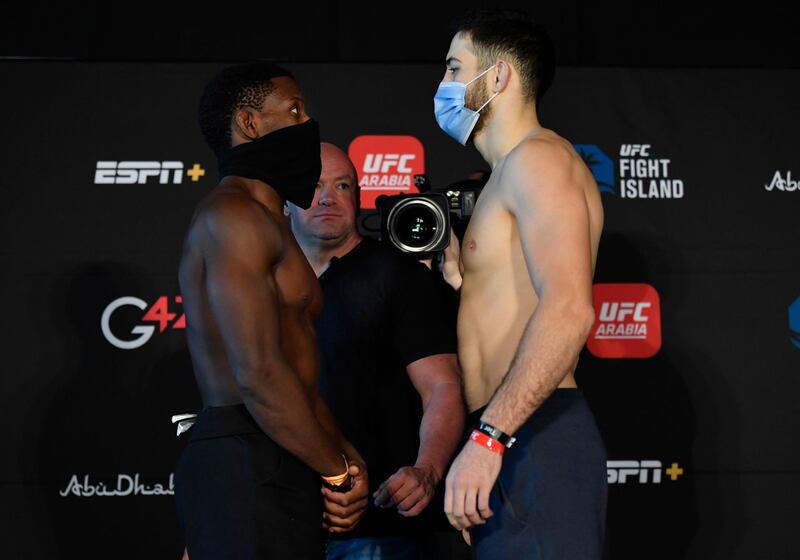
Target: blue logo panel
{"x": 599, "y": 164}
{"x": 794, "y": 322}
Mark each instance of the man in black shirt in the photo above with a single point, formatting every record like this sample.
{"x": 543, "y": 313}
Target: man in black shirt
{"x": 389, "y": 371}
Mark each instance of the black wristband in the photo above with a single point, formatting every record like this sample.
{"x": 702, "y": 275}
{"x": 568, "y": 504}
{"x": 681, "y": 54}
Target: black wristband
{"x": 497, "y": 435}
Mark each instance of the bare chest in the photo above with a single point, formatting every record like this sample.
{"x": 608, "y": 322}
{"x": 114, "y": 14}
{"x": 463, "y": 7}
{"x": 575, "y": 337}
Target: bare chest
{"x": 491, "y": 238}
{"x": 297, "y": 285}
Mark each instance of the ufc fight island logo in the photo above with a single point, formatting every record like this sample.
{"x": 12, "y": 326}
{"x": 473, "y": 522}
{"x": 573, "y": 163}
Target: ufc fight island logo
{"x": 779, "y": 183}
{"x": 139, "y": 335}
{"x": 642, "y": 175}
{"x": 627, "y": 321}
{"x": 386, "y": 165}
{"x": 141, "y": 172}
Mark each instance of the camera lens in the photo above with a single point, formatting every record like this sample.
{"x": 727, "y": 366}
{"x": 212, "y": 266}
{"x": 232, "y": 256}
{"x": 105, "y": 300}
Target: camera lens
{"x": 416, "y": 225}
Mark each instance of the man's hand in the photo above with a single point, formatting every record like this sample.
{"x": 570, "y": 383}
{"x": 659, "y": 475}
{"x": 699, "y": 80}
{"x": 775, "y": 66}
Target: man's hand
{"x": 451, "y": 269}
{"x": 343, "y": 510}
{"x": 468, "y": 484}
{"x": 410, "y": 489}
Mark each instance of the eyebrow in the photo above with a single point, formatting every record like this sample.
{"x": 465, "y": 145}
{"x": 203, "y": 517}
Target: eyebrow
{"x": 451, "y": 59}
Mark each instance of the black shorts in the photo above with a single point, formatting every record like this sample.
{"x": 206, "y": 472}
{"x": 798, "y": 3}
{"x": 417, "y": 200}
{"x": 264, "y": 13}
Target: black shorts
{"x": 241, "y": 496}
{"x": 549, "y": 501}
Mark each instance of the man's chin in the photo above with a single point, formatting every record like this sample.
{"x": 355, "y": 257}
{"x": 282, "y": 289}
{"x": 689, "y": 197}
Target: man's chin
{"x": 330, "y": 236}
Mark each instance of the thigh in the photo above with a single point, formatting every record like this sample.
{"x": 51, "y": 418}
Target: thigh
{"x": 570, "y": 500}
{"x": 509, "y": 532}
{"x": 288, "y": 510}
{"x": 244, "y": 497}
{"x": 550, "y": 497}
{"x": 215, "y": 499}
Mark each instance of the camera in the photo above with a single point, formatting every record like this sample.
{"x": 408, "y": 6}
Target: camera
{"x": 416, "y": 223}
{"x": 421, "y": 223}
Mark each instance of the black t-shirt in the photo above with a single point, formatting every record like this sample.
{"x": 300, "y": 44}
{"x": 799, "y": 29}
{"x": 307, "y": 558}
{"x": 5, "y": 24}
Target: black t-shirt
{"x": 382, "y": 310}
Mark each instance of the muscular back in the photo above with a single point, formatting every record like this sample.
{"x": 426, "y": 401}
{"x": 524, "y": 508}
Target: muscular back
{"x": 498, "y": 293}
{"x": 266, "y": 251}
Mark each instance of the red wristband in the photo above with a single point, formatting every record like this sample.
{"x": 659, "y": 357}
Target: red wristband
{"x": 485, "y": 441}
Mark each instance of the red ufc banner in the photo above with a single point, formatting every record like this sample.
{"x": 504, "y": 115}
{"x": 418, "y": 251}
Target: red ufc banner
{"x": 627, "y": 321}
{"x": 386, "y": 165}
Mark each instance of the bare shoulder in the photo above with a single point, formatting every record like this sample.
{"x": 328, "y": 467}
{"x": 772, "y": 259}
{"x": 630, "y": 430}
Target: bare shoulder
{"x": 232, "y": 219}
{"x": 543, "y": 164}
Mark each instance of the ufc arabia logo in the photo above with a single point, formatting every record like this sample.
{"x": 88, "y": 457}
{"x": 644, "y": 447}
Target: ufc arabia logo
{"x": 627, "y": 321}
{"x": 385, "y": 163}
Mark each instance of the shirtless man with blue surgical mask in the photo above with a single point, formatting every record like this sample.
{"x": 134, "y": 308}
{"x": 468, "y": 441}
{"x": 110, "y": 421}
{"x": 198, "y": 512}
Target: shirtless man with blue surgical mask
{"x": 530, "y": 481}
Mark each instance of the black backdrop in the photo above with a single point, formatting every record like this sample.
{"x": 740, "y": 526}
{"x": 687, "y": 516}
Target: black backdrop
{"x": 702, "y": 427}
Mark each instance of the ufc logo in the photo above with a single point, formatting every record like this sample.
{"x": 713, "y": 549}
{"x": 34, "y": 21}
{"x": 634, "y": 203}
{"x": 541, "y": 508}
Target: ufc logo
{"x": 619, "y": 471}
{"x": 635, "y": 149}
{"x": 137, "y": 172}
{"x": 383, "y": 163}
{"x": 618, "y": 311}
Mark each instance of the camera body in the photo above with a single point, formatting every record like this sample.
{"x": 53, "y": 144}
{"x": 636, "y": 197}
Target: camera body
{"x": 416, "y": 223}
{"x": 420, "y": 223}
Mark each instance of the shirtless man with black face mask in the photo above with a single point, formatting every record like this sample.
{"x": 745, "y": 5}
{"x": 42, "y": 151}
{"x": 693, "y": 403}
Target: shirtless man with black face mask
{"x": 248, "y": 483}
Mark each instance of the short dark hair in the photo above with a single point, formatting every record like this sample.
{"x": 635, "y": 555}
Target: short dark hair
{"x": 514, "y": 34}
{"x": 233, "y": 88}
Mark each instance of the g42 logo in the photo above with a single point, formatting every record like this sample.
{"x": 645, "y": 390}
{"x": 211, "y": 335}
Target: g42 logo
{"x": 157, "y": 313}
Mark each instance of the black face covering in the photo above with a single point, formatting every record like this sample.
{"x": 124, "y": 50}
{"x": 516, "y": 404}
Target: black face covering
{"x": 287, "y": 160}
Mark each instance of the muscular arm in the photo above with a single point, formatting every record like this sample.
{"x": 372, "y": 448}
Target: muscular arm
{"x": 437, "y": 379}
{"x": 242, "y": 245}
{"x": 544, "y": 193}
{"x": 328, "y": 422}
{"x": 344, "y": 510}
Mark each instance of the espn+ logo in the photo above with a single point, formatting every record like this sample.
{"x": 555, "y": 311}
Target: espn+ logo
{"x": 644, "y": 472}
{"x": 158, "y": 312}
{"x": 140, "y": 172}
{"x": 627, "y": 321}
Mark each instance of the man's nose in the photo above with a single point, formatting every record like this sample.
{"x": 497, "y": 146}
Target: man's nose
{"x": 326, "y": 197}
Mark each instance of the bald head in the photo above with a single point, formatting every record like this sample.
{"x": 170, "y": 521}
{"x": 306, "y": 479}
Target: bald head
{"x": 333, "y": 156}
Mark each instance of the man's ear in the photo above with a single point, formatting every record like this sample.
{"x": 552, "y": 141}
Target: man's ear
{"x": 503, "y": 76}
{"x": 245, "y": 123}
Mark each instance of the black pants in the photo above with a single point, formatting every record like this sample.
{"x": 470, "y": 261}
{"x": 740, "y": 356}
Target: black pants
{"x": 549, "y": 501}
{"x": 241, "y": 496}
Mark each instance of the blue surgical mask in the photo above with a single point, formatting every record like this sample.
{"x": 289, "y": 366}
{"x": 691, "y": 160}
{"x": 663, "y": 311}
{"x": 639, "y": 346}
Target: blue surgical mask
{"x": 453, "y": 116}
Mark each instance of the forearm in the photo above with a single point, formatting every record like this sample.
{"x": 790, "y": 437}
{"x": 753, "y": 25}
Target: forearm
{"x": 441, "y": 428}
{"x": 327, "y": 420}
{"x": 546, "y": 354}
{"x": 281, "y": 407}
